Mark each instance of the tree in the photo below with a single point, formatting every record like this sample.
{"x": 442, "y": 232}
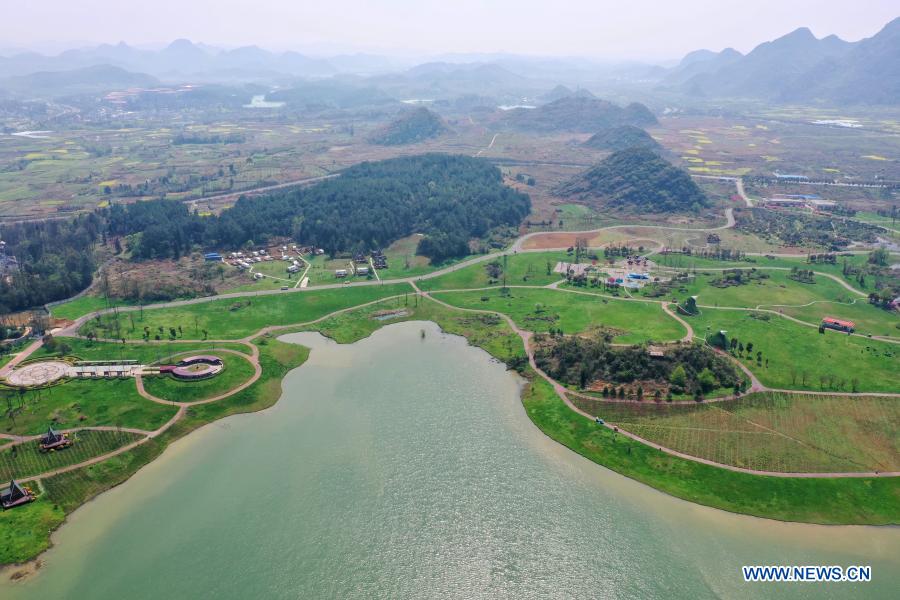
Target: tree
{"x": 678, "y": 377}
{"x": 581, "y": 247}
{"x": 707, "y": 380}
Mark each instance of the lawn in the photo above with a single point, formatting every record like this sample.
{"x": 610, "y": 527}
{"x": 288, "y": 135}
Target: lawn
{"x": 770, "y": 431}
{"x": 483, "y": 330}
{"x": 541, "y": 309}
{"x": 869, "y": 319}
{"x": 772, "y": 290}
{"x": 237, "y": 371}
{"x": 143, "y": 352}
{"x": 234, "y": 318}
{"x": 871, "y": 501}
{"x": 25, "y": 532}
{"x": 84, "y": 305}
{"x": 24, "y": 460}
{"x": 800, "y": 357}
{"x": 528, "y": 268}
{"x": 81, "y": 403}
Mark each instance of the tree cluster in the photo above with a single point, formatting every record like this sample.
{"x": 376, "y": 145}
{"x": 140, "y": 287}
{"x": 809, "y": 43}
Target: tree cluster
{"x": 55, "y": 257}
{"x": 686, "y": 368}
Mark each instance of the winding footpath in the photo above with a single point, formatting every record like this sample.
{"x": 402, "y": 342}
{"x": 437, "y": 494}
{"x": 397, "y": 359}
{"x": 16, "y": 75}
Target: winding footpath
{"x": 72, "y": 330}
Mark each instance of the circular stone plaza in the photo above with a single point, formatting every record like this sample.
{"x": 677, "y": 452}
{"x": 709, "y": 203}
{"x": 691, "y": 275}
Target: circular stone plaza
{"x": 39, "y": 373}
{"x": 45, "y": 372}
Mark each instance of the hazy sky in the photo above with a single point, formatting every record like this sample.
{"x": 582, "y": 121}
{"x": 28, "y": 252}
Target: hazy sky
{"x": 616, "y": 29}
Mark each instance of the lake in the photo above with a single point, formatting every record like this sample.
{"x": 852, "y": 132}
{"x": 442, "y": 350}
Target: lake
{"x": 403, "y": 467}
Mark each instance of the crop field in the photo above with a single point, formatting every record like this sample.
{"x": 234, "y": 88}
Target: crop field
{"x": 83, "y": 169}
{"x": 26, "y": 459}
{"x": 81, "y": 403}
{"x": 782, "y": 139}
{"x": 770, "y": 431}
{"x": 542, "y": 309}
{"x": 234, "y": 318}
{"x": 795, "y": 356}
{"x": 237, "y": 371}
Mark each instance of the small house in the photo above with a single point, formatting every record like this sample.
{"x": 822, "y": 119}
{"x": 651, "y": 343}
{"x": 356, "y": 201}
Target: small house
{"x": 838, "y": 324}
{"x": 53, "y": 440}
{"x": 15, "y": 495}
{"x": 340, "y": 273}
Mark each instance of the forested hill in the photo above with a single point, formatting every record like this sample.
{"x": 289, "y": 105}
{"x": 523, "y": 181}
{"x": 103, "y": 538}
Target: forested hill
{"x": 579, "y": 113}
{"x": 637, "y": 179}
{"x": 55, "y": 257}
{"x": 449, "y": 198}
{"x": 620, "y": 138}
{"x": 412, "y": 126}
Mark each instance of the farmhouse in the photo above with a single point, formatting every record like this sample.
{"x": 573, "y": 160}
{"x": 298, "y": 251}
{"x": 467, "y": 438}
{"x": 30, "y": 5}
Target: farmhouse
{"x": 838, "y": 324}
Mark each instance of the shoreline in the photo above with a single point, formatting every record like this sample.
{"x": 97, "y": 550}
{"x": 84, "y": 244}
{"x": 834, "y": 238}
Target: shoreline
{"x": 413, "y": 314}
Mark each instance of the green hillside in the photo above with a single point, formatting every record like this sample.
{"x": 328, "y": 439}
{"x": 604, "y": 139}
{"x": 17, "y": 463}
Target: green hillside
{"x": 411, "y": 127}
{"x": 637, "y": 179}
{"x": 620, "y": 138}
{"x": 579, "y": 113}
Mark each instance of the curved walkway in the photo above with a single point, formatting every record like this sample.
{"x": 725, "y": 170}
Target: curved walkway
{"x": 526, "y": 336}
{"x": 563, "y": 392}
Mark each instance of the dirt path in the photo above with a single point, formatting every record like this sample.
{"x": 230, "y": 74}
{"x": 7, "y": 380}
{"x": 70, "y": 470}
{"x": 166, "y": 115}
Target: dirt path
{"x": 526, "y": 336}
{"x": 563, "y": 394}
{"x": 489, "y": 146}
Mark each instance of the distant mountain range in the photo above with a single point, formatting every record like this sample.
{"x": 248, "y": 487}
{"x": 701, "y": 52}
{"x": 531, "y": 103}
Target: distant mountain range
{"x": 76, "y": 81}
{"x": 799, "y": 67}
{"x": 183, "y": 58}
{"x": 795, "y": 68}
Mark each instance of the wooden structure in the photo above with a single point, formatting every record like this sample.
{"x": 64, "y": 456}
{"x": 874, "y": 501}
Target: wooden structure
{"x": 53, "y": 440}
{"x": 15, "y": 495}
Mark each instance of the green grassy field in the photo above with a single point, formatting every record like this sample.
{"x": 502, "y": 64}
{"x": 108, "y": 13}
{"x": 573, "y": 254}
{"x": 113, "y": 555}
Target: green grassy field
{"x": 871, "y": 501}
{"x": 82, "y": 403}
{"x": 26, "y": 459}
{"x": 770, "y": 431}
{"x": 634, "y": 322}
{"x": 488, "y": 332}
{"x": 143, "y": 352}
{"x": 81, "y": 306}
{"x": 772, "y": 289}
{"x": 25, "y": 532}
{"x": 237, "y": 371}
{"x": 239, "y": 317}
{"x": 802, "y": 358}
{"x": 530, "y": 268}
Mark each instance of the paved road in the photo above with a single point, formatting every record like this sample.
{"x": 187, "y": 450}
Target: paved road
{"x": 526, "y": 336}
{"x": 564, "y": 392}
{"x": 261, "y": 190}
